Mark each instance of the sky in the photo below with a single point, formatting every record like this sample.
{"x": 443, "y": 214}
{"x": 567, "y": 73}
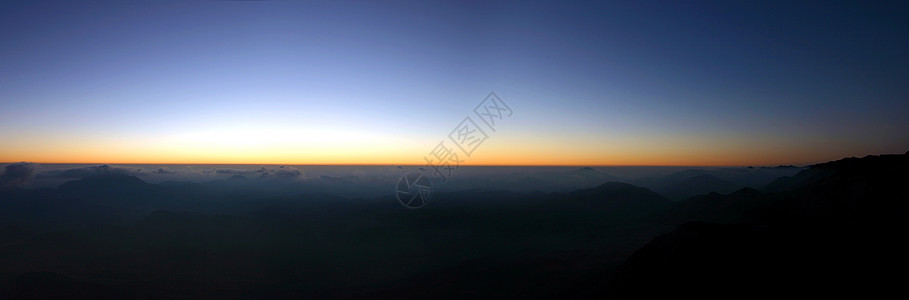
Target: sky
{"x": 308, "y": 82}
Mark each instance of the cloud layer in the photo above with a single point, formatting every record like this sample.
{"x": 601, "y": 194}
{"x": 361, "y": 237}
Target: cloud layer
{"x": 16, "y": 174}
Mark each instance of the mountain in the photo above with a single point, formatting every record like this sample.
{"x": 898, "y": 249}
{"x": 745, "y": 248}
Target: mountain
{"x": 704, "y": 261}
{"x": 585, "y": 177}
{"x": 739, "y": 206}
{"x": 829, "y": 230}
{"x": 690, "y": 182}
{"x": 881, "y": 170}
{"x": 104, "y": 183}
{"x": 698, "y": 185}
{"x": 617, "y": 197}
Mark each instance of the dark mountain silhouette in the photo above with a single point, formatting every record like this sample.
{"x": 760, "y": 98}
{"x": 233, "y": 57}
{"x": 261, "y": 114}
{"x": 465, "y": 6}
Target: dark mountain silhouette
{"x": 618, "y": 197}
{"x": 237, "y": 178}
{"x": 588, "y": 174}
{"x": 698, "y": 185}
{"x": 692, "y": 182}
{"x": 880, "y": 170}
{"x": 739, "y": 206}
{"x": 309, "y": 245}
{"x": 701, "y": 260}
{"x": 550, "y": 181}
{"x": 827, "y": 231}
{"x": 104, "y": 183}
{"x": 275, "y": 237}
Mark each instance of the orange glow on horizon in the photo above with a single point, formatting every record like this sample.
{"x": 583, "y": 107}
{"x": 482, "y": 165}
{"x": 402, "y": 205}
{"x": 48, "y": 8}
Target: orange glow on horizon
{"x": 232, "y": 146}
{"x": 416, "y": 158}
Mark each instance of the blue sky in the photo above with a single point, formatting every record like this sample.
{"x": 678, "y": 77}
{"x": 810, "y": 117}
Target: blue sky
{"x": 616, "y": 83}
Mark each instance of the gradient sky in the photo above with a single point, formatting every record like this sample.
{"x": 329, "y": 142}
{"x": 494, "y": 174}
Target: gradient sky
{"x": 300, "y": 82}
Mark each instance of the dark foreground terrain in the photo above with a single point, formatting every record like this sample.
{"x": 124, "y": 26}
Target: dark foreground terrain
{"x": 835, "y": 228}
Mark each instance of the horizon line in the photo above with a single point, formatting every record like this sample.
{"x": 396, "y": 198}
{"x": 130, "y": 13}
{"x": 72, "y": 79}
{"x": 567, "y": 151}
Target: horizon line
{"x": 418, "y": 165}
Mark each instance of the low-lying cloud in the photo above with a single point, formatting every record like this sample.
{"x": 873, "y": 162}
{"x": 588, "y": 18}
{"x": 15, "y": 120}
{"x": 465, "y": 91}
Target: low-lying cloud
{"x": 93, "y": 170}
{"x": 163, "y": 171}
{"x": 279, "y": 172}
{"x": 16, "y": 174}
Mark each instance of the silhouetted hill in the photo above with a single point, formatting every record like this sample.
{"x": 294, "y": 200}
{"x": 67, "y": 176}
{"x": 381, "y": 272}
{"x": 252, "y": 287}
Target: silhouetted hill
{"x": 691, "y": 182}
{"x": 214, "y": 239}
{"x": 739, "y": 206}
{"x": 704, "y": 261}
{"x": 588, "y": 174}
{"x": 237, "y": 178}
{"x": 698, "y": 185}
{"x": 617, "y": 197}
{"x": 885, "y": 169}
{"x": 275, "y": 237}
{"x": 827, "y": 231}
{"x": 103, "y": 182}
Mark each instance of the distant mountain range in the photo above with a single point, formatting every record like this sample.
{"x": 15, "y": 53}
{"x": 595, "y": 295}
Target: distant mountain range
{"x": 827, "y": 230}
{"x": 831, "y": 230}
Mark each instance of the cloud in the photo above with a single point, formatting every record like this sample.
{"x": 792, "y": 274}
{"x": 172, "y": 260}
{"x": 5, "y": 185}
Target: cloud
{"x": 280, "y": 172}
{"x": 93, "y": 170}
{"x": 163, "y": 171}
{"x": 286, "y": 173}
{"x": 16, "y": 174}
{"x": 232, "y": 171}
